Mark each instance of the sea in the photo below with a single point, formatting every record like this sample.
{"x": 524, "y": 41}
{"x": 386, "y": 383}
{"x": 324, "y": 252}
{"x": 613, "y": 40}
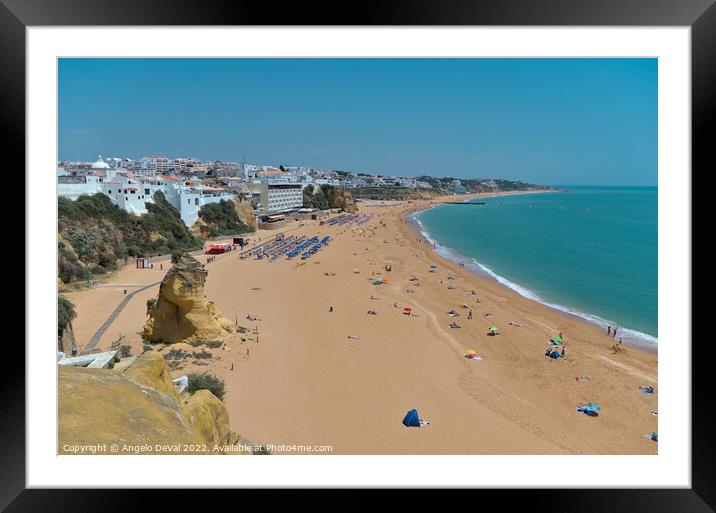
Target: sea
{"x": 588, "y": 251}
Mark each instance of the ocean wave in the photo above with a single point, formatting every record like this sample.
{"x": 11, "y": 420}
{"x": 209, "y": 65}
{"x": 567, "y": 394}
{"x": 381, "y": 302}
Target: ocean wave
{"x": 627, "y": 335}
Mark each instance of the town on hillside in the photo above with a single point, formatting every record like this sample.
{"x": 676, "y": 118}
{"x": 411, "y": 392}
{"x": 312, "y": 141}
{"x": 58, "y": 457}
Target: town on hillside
{"x": 189, "y": 183}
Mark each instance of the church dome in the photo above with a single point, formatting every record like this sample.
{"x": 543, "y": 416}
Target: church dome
{"x": 100, "y": 164}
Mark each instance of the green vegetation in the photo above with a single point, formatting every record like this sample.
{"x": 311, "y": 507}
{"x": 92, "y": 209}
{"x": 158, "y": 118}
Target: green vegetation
{"x": 95, "y": 234}
{"x": 313, "y": 198}
{"x": 208, "y": 382}
{"x": 222, "y": 219}
{"x": 65, "y": 314}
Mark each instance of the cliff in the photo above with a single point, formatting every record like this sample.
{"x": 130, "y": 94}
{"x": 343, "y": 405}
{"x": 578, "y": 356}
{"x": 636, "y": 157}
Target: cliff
{"x": 246, "y": 213}
{"x": 94, "y": 235}
{"x": 139, "y": 406}
{"x": 227, "y": 217}
{"x": 340, "y": 198}
{"x": 182, "y": 312}
{"x": 327, "y": 196}
{"x": 395, "y": 193}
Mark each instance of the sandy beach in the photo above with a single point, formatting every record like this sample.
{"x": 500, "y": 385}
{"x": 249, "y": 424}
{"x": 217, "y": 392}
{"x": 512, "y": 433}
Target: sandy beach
{"x": 298, "y": 379}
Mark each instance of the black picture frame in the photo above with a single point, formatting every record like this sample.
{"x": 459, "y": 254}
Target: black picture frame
{"x": 700, "y": 15}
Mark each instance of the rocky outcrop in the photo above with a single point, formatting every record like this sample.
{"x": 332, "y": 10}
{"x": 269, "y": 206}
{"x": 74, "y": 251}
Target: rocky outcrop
{"x": 340, "y": 198}
{"x": 200, "y": 229}
{"x": 138, "y": 407}
{"x": 246, "y": 213}
{"x": 228, "y": 217}
{"x": 182, "y": 313}
{"x": 67, "y": 341}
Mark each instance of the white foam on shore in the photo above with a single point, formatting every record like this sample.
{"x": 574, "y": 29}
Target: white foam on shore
{"x": 627, "y": 335}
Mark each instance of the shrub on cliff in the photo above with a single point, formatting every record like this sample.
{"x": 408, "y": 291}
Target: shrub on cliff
{"x": 222, "y": 219}
{"x": 65, "y": 314}
{"x": 313, "y": 198}
{"x": 205, "y": 381}
{"x": 100, "y": 233}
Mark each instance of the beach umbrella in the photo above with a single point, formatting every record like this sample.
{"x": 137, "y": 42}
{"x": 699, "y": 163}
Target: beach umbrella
{"x": 470, "y": 352}
{"x": 594, "y": 406}
{"x": 407, "y": 310}
{"x": 557, "y": 339}
{"x": 433, "y": 267}
{"x": 493, "y": 328}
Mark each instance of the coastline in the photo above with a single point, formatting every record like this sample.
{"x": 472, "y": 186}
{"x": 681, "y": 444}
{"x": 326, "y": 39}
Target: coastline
{"x": 632, "y": 338}
{"x": 298, "y": 361}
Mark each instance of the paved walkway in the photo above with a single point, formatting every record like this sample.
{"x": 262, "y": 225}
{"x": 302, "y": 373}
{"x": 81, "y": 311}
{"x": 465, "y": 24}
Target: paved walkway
{"x": 115, "y": 313}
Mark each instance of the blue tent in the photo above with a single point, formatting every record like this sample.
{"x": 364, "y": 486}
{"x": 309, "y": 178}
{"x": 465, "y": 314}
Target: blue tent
{"x": 412, "y": 419}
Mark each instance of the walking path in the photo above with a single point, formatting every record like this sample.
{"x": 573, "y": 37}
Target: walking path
{"x": 102, "y": 329}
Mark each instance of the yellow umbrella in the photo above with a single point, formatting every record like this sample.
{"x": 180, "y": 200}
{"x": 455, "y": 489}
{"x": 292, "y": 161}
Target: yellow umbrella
{"x": 470, "y": 352}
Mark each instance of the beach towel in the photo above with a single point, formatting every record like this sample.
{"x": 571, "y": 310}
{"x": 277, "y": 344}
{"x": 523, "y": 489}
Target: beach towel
{"x": 587, "y": 411}
{"x": 645, "y": 390}
{"x": 412, "y": 419}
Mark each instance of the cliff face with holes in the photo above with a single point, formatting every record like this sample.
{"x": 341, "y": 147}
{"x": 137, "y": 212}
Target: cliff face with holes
{"x": 182, "y": 312}
{"x": 138, "y": 406}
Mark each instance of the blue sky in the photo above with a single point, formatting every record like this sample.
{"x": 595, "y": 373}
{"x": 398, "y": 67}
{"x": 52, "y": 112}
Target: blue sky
{"x": 547, "y": 121}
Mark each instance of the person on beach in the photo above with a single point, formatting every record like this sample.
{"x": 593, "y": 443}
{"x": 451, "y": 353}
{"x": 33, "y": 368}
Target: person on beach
{"x": 564, "y": 351}
{"x": 74, "y": 350}
{"x": 614, "y": 333}
{"x": 469, "y": 315}
{"x": 330, "y": 308}
{"x": 609, "y": 331}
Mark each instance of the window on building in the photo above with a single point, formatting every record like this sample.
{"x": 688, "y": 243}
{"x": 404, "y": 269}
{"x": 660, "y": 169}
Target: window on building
{"x": 109, "y": 191}
{"x": 196, "y": 201}
{"x": 146, "y": 191}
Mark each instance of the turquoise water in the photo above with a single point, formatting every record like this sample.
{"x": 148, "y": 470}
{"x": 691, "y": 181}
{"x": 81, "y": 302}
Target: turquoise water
{"x": 591, "y": 250}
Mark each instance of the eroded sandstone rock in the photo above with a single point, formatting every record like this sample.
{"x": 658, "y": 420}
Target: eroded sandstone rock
{"x": 137, "y": 407}
{"x": 182, "y": 312}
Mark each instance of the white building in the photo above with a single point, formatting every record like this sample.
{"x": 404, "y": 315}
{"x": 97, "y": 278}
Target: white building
{"x": 277, "y": 197}
{"x": 132, "y": 192}
{"x": 90, "y": 182}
